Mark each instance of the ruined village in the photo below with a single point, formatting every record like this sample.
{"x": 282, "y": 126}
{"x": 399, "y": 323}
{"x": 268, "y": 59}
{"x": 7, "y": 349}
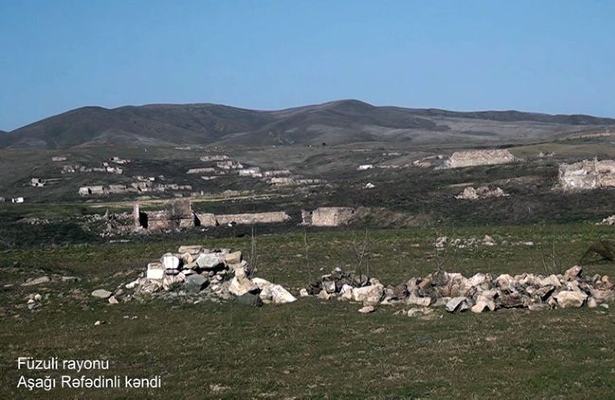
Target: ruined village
{"x": 227, "y": 249}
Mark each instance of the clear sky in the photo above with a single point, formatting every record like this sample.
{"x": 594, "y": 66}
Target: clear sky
{"x": 546, "y": 56}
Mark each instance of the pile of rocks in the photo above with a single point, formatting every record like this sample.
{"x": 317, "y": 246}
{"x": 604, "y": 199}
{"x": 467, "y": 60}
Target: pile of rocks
{"x": 479, "y": 293}
{"x": 195, "y": 273}
{"x": 444, "y": 241}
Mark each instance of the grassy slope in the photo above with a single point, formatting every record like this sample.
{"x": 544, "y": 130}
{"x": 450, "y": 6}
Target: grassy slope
{"x": 318, "y": 350}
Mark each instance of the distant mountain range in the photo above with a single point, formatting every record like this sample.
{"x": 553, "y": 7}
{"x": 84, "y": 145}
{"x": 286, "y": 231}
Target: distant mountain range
{"x": 337, "y": 122}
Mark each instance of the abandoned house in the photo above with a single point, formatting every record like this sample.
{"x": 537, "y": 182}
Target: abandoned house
{"x": 587, "y": 175}
{"x": 327, "y": 216}
{"x": 470, "y": 158}
{"x": 178, "y": 214}
{"x": 92, "y": 190}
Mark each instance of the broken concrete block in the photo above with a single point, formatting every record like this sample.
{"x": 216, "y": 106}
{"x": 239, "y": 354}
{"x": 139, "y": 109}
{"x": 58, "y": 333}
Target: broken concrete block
{"x": 249, "y": 299}
{"x": 271, "y": 293}
{"x": 367, "y": 309}
{"x": 323, "y": 295}
{"x": 418, "y": 301}
{"x": 169, "y": 261}
{"x": 458, "y": 304}
{"x": 368, "y": 295}
{"x": 208, "y": 260}
{"x": 233, "y": 258}
{"x": 570, "y": 299}
{"x": 573, "y": 273}
{"x": 195, "y": 283}
{"x": 154, "y": 271}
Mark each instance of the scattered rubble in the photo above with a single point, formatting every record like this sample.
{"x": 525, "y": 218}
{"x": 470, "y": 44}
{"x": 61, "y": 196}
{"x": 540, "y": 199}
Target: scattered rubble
{"x": 480, "y": 193}
{"x": 479, "y": 293}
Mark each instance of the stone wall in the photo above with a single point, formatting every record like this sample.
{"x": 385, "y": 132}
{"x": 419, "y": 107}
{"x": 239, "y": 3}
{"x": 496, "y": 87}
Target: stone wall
{"x": 470, "y": 158}
{"x": 587, "y": 175}
{"x": 253, "y": 218}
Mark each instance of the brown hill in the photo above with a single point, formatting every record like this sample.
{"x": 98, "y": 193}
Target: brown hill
{"x": 336, "y": 122}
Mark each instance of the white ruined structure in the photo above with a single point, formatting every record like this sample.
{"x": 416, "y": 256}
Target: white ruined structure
{"x": 92, "y": 190}
{"x": 587, "y": 175}
{"x": 215, "y": 157}
{"x": 37, "y": 182}
{"x": 58, "y": 158}
{"x": 207, "y": 170}
{"x": 365, "y": 167}
{"x": 327, "y": 216}
{"x": 17, "y": 200}
{"x": 254, "y": 172}
{"x": 277, "y": 172}
{"x": 470, "y": 158}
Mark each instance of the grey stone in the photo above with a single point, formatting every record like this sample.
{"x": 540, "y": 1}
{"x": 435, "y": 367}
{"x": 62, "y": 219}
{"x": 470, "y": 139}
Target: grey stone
{"x": 195, "y": 283}
{"x": 249, "y": 299}
{"x": 457, "y": 304}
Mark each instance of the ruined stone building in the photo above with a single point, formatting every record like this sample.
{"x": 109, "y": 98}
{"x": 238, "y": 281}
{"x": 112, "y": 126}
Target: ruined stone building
{"x": 178, "y": 214}
{"x": 92, "y": 190}
{"x": 587, "y": 175}
{"x": 469, "y": 158}
{"x": 327, "y": 216}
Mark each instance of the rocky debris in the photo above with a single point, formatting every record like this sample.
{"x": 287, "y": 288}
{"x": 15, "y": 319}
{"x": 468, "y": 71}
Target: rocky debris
{"x": 444, "y": 241}
{"x": 101, "y": 293}
{"x": 367, "y": 309}
{"x": 478, "y": 293}
{"x": 196, "y": 273}
{"x": 607, "y": 221}
{"x": 481, "y": 193}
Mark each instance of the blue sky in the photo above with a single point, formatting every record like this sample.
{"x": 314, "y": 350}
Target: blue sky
{"x": 544, "y": 56}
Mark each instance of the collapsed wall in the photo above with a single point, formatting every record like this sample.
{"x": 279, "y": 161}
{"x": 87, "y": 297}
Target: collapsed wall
{"x": 252, "y": 218}
{"x": 470, "y": 158}
{"x": 587, "y": 175}
{"x": 177, "y": 214}
{"x": 327, "y": 216}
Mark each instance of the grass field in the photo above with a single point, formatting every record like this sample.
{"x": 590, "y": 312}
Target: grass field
{"x": 312, "y": 349}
